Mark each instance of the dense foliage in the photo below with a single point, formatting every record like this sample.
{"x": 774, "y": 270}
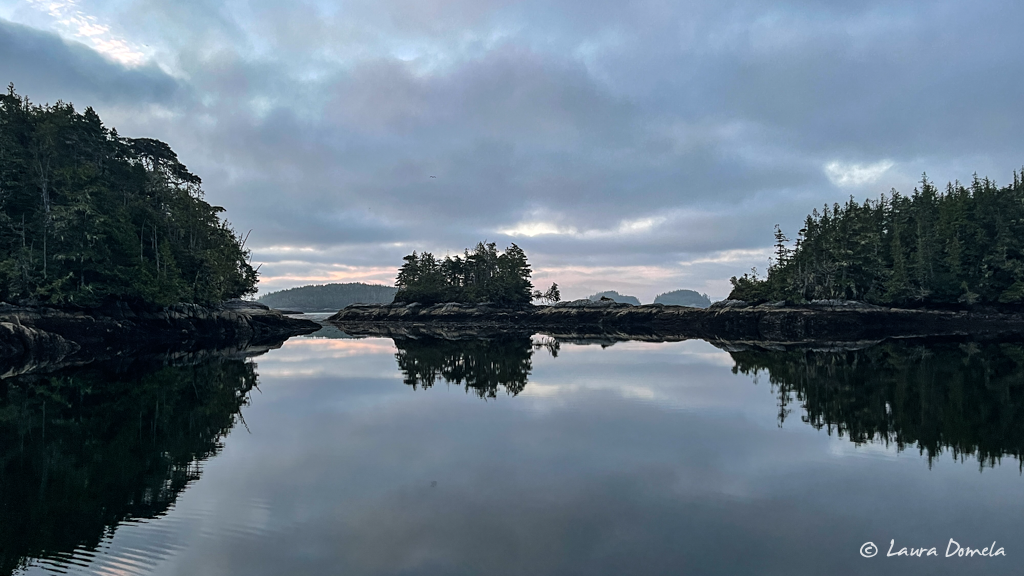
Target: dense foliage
{"x": 329, "y": 296}
{"x": 86, "y": 214}
{"x": 961, "y": 246}
{"x": 482, "y": 275}
{"x": 967, "y": 399}
{"x": 683, "y": 298}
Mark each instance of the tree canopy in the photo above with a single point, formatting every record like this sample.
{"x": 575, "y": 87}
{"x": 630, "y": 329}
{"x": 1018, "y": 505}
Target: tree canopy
{"x": 86, "y": 214}
{"x": 960, "y": 246}
{"x": 482, "y": 275}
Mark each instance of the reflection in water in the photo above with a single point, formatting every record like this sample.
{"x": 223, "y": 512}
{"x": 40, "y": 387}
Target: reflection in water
{"x": 483, "y": 365}
{"x": 83, "y": 450}
{"x": 964, "y": 397}
{"x": 585, "y": 476}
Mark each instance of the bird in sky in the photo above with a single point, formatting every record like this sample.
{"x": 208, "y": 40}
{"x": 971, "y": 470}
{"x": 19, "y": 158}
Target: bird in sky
{"x": 433, "y": 176}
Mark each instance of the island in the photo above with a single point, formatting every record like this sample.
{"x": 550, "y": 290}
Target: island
{"x": 328, "y": 297}
{"x": 934, "y": 263}
{"x": 615, "y": 297}
{"x": 683, "y": 297}
{"x": 107, "y": 247}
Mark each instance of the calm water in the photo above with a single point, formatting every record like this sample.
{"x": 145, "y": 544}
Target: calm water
{"x": 518, "y": 456}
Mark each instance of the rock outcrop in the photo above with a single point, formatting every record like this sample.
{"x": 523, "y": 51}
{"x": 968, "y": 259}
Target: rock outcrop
{"x": 825, "y": 321}
{"x": 41, "y": 338}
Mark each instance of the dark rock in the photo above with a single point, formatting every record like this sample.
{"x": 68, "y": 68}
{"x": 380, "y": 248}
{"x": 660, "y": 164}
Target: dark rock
{"x": 34, "y": 337}
{"x": 730, "y": 321}
{"x": 728, "y": 304}
{"x": 239, "y": 304}
{"x": 587, "y": 303}
{"x": 842, "y": 305}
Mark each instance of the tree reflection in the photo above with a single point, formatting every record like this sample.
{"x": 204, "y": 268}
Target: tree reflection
{"x": 83, "y": 450}
{"x": 967, "y": 398}
{"x": 483, "y": 366}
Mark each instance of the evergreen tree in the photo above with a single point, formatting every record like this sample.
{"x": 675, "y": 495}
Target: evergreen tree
{"x": 483, "y": 275}
{"x": 553, "y": 294}
{"x": 87, "y": 215}
{"x": 964, "y": 245}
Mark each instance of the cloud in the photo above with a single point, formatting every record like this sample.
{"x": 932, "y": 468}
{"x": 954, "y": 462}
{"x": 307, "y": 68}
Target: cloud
{"x": 623, "y": 228}
{"x": 531, "y": 229}
{"x": 90, "y": 30}
{"x": 852, "y": 175}
{"x": 46, "y": 67}
{"x": 602, "y": 134}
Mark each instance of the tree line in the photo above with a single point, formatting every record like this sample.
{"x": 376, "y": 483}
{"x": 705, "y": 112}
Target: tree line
{"x": 483, "y": 275}
{"x": 86, "y": 215}
{"x": 959, "y": 246}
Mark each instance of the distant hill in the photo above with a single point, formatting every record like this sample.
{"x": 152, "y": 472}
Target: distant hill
{"x": 332, "y": 297}
{"x": 616, "y": 296}
{"x": 683, "y": 298}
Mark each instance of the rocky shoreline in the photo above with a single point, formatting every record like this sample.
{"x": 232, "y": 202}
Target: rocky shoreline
{"x": 34, "y": 338}
{"x": 823, "y": 321}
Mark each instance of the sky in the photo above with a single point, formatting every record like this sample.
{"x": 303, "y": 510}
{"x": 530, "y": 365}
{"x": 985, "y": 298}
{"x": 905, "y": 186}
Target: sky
{"x": 624, "y": 145}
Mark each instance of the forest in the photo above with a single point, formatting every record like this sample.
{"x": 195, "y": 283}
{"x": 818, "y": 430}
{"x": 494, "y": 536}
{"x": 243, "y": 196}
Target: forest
{"x": 87, "y": 215}
{"x": 483, "y": 275}
{"x": 955, "y": 247}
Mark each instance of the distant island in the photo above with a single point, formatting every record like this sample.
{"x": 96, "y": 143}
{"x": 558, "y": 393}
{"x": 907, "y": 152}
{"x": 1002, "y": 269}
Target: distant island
{"x": 328, "y": 297}
{"x": 689, "y": 298}
{"x": 614, "y": 296}
{"x": 674, "y": 298}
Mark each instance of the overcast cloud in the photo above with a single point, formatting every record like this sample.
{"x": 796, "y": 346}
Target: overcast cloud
{"x": 637, "y": 146}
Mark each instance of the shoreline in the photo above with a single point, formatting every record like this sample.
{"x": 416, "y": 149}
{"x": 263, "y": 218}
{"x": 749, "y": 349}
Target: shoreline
{"x": 39, "y": 338}
{"x": 831, "y": 322}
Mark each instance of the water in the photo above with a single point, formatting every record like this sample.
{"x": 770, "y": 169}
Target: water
{"x": 518, "y": 455}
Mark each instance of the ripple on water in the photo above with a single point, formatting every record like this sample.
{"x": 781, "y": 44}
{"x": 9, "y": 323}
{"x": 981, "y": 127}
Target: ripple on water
{"x": 138, "y": 546}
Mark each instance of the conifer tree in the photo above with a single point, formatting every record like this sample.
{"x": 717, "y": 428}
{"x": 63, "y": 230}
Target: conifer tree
{"x": 87, "y": 215}
{"x": 964, "y": 245}
{"x": 483, "y": 275}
